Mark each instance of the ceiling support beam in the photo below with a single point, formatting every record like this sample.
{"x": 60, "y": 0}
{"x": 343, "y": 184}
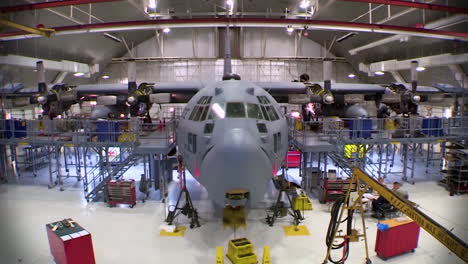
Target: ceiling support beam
{"x": 60, "y": 77}
{"x": 61, "y": 66}
{"x": 430, "y": 61}
{"x": 438, "y": 24}
{"x": 50, "y": 4}
{"x": 44, "y": 32}
{"x": 397, "y": 76}
{"x": 244, "y": 22}
{"x": 419, "y": 5}
{"x": 460, "y": 75}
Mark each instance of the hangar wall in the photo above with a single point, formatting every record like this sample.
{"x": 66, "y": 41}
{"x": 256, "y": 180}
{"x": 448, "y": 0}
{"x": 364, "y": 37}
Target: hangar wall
{"x": 267, "y": 55}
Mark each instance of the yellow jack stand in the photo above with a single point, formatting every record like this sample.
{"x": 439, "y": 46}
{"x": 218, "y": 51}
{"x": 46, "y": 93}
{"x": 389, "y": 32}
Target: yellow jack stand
{"x": 300, "y": 230}
{"x": 178, "y": 232}
{"x": 219, "y": 255}
{"x": 266, "y": 255}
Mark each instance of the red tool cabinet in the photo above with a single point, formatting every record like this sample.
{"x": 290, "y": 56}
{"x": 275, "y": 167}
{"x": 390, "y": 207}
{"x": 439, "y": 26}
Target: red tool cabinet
{"x": 400, "y": 237}
{"x": 70, "y": 243}
{"x": 121, "y": 192}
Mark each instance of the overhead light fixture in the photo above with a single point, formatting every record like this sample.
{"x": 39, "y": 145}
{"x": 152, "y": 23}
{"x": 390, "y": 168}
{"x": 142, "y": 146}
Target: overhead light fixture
{"x": 304, "y": 4}
{"x": 105, "y": 77}
{"x": 151, "y": 8}
{"x": 295, "y": 114}
{"x": 420, "y": 68}
{"x": 351, "y": 75}
{"x": 380, "y": 73}
{"x": 79, "y": 74}
{"x": 290, "y": 29}
{"x": 230, "y": 6}
{"x": 152, "y": 4}
{"x": 166, "y": 30}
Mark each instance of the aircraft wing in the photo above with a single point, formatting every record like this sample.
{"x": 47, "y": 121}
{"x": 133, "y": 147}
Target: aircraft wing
{"x": 186, "y": 87}
{"x": 101, "y": 89}
{"x": 361, "y": 88}
{"x": 419, "y": 89}
{"x": 283, "y": 87}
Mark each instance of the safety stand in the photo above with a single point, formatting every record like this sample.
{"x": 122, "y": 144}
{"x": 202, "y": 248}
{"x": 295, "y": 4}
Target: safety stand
{"x": 188, "y": 209}
{"x": 279, "y": 209}
{"x": 352, "y": 203}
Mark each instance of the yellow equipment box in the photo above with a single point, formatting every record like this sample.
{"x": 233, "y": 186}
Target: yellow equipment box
{"x": 353, "y": 151}
{"x": 302, "y": 203}
{"x": 241, "y": 251}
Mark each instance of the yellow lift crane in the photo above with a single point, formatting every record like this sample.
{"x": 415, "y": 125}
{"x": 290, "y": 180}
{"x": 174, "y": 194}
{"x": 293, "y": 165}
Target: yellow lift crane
{"x": 447, "y": 238}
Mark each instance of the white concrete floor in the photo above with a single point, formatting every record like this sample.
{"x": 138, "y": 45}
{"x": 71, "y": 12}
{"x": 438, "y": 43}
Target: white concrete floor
{"x": 123, "y": 235}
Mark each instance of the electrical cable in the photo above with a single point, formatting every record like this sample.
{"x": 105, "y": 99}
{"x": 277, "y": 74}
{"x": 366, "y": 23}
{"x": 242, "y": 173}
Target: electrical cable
{"x": 333, "y": 225}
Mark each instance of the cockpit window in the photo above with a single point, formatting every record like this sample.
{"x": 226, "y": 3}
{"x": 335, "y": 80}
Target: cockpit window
{"x": 265, "y": 114}
{"x": 204, "y": 100}
{"x": 263, "y": 99}
{"x": 198, "y": 114}
{"x": 205, "y": 111}
{"x": 272, "y": 112}
{"x": 194, "y": 111}
{"x": 208, "y": 128}
{"x": 235, "y": 110}
{"x": 253, "y": 111}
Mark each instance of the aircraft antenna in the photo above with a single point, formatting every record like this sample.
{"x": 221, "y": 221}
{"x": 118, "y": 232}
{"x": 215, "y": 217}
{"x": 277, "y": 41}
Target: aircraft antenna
{"x": 227, "y": 74}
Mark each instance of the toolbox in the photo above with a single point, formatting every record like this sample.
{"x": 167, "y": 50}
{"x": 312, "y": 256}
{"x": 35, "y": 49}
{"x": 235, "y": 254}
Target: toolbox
{"x": 70, "y": 243}
{"x": 121, "y": 192}
{"x": 396, "y": 237}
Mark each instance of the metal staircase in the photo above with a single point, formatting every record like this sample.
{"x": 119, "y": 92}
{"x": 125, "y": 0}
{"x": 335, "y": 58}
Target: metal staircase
{"x": 96, "y": 179}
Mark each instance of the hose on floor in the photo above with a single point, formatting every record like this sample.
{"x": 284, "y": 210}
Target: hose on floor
{"x": 335, "y": 212}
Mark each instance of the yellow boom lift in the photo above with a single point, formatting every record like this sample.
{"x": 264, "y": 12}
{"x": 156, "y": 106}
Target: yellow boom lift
{"x": 447, "y": 238}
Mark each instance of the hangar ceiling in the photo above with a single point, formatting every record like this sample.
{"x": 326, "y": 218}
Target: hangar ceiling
{"x": 97, "y": 48}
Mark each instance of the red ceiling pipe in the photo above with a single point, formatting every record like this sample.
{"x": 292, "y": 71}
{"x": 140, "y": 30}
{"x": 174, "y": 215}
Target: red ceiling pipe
{"x": 50, "y": 4}
{"x": 415, "y": 5}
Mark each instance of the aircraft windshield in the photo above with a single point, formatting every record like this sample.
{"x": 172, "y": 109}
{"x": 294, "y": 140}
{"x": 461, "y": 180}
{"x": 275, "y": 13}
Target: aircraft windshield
{"x": 235, "y": 110}
{"x": 253, "y": 111}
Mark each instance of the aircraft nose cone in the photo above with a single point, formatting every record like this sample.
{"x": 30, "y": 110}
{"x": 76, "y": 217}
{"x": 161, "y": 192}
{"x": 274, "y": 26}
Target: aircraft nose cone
{"x": 238, "y": 140}
{"x": 238, "y": 162}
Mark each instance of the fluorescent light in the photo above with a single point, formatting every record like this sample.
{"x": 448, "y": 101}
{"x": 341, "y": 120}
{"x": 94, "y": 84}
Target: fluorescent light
{"x": 380, "y": 73}
{"x": 290, "y": 29}
{"x": 152, "y": 4}
{"x": 230, "y": 3}
{"x": 351, "y": 75}
{"x": 304, "y": 4}
{"x": 420, "y": 68}
{"x": 219, "y": 111}
{"x": 166, "y": 30}
{"x": 79, "y": 74}
{"x": 105, "y": 77}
